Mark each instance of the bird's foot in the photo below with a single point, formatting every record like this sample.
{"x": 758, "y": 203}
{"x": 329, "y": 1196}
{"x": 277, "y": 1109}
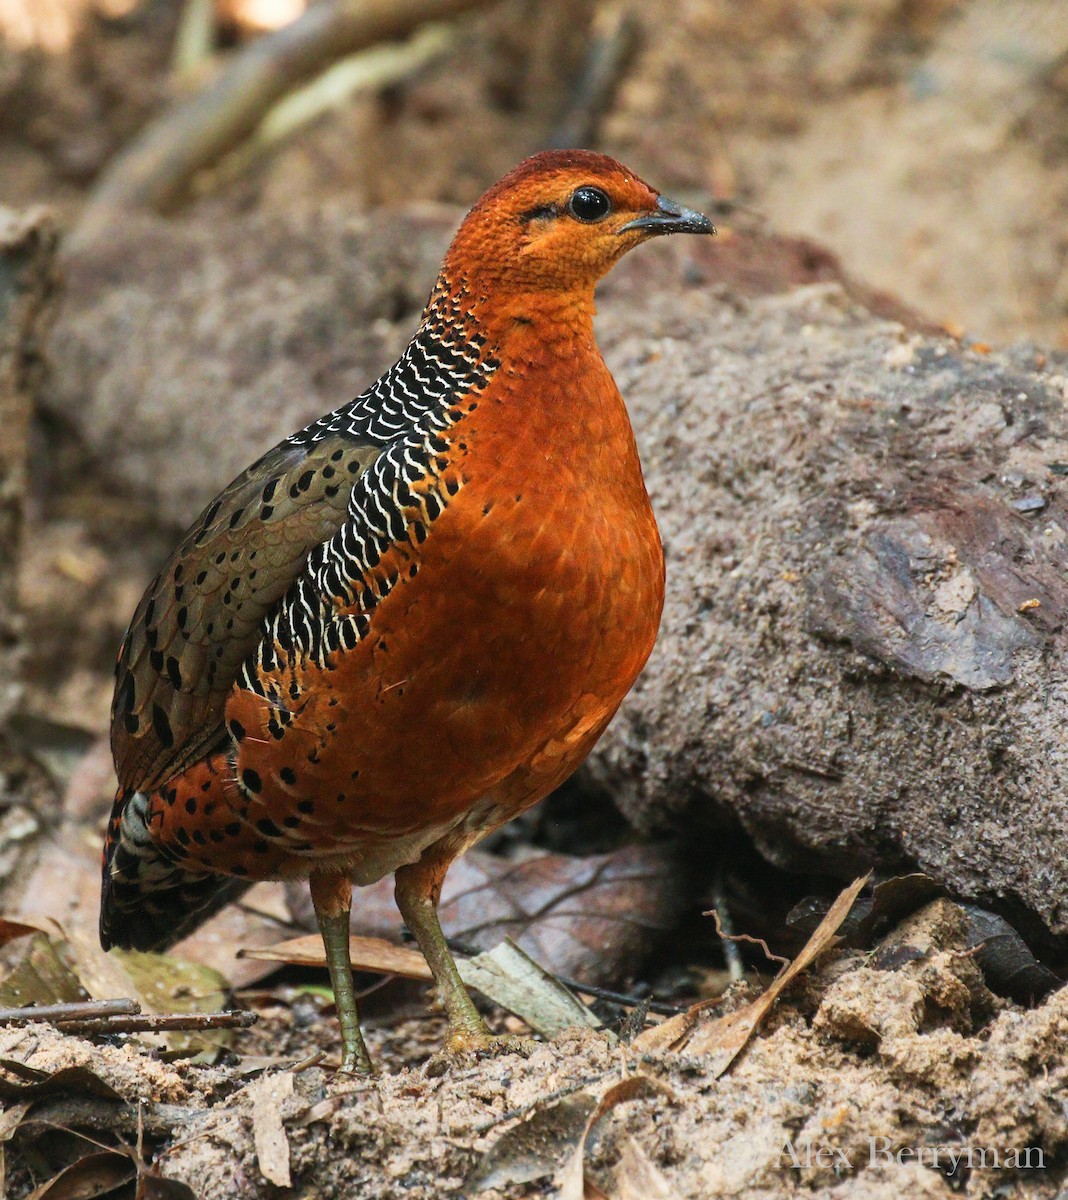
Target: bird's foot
{"x": 466, "y": 1046}
{"x": 463, "y": 1042}
{"x": 354, "y": 1063}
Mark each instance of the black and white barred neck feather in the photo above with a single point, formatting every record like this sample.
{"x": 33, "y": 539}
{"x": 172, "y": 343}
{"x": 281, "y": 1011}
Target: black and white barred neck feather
{"x": 446, "y": 358}
{"x": 395, "y": 501}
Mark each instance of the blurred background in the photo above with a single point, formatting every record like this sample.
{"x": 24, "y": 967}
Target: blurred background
{"x": 923, "y": 141}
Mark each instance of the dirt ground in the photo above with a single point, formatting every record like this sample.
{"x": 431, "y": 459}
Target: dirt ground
{"x": 919, "y": 141}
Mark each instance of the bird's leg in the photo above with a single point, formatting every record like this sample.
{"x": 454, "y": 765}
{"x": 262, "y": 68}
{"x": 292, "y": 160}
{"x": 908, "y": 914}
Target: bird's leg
{"x": 418, "y": 890}
{"x": 331, "y": 894}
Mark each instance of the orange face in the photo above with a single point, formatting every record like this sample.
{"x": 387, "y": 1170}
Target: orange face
{"x": 559, "y": 221}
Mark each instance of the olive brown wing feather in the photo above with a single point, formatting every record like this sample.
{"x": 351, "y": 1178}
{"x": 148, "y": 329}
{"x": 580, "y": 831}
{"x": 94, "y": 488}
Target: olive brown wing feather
{"x": 201, "y": 616}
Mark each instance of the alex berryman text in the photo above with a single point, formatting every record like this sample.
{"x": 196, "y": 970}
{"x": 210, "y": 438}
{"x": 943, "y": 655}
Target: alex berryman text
{"x": 946, "y": 1158}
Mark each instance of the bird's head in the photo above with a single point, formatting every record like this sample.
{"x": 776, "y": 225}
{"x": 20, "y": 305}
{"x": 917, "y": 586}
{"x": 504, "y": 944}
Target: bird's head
{"x": 558, "y": 222}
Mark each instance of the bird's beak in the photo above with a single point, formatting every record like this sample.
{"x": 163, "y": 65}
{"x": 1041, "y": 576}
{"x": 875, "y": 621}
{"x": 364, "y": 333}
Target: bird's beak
{"x": 671, "y": 218}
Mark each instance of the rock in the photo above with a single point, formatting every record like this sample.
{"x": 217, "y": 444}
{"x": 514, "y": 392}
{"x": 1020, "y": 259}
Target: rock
{"x": 858, "y": 659}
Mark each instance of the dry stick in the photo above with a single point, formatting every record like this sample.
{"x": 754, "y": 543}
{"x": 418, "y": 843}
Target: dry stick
{"x": 615, "y": 39}
{"x": 77, "y": 1011}
{"x": 160, "y": 1023}
{"x": 157, "y": 168}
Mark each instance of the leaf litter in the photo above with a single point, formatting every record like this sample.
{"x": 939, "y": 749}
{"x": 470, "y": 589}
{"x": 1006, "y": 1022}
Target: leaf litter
{"x": 693, "y": 1108}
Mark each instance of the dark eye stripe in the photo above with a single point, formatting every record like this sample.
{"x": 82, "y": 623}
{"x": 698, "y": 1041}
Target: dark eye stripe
{"x": 541, "y": 213}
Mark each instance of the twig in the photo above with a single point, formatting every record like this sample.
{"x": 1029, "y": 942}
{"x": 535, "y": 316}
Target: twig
{"x": 160, "y": 1023}
{"x": 657, "y": 1006}
{"x": 81, "y": 1010}
{"x": 195, "y": 39}
{"x": 155, "y": 171}
{"x": 730, "y": 938}
{"x": 615, "y": 37}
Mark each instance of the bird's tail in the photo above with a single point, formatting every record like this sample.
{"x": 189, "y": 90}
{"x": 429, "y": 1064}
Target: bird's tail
{"x": 147, "y": 900}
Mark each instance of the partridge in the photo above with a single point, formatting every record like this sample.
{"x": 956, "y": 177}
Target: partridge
{"x": 413, "y": 618}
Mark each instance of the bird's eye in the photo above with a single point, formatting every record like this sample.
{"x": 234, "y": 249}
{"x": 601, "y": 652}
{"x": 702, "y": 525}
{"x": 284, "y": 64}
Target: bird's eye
{"x": 589, "y": 204}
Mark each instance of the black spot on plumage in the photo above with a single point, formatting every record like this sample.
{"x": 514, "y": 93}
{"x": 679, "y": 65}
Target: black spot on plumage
{"x": 127, "y": 694}
{"x": 161, "y": 725}
{"x": 251, "y": 780}
{"x": 288, "y": 775}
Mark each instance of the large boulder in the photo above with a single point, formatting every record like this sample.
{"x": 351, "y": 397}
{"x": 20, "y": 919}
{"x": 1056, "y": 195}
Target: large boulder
{"x": 861, "y": 659}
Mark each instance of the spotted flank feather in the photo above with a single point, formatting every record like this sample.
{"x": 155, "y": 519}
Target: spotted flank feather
{"x": 282, "y": 569}
{"x": 148, "y": 901}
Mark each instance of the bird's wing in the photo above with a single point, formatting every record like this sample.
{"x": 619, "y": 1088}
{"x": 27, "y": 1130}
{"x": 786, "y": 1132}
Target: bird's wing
{"x": 201, "y": 616}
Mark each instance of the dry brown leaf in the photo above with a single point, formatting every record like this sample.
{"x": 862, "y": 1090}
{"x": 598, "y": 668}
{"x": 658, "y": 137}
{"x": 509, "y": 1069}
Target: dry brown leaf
{"x": 95, "y": 1175}
{"x": 571, "y": 1179}
{"x": 39, "y": 975}
{"x": 155, "y": 1187}
{"x": 552, "y": 1140}
{"x": 10, "y": 930}
{"x": 35, "y": 1084}
{"x": 272, "y": 1145}
{"x": 724, "y": 1038}
{"x": 535, "y": 1148}
{"x": 56, "y": 969}
{"x": 592, "y": 918}
{"x": 367, "y": 954}
{"x": 638, "y": 1178}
